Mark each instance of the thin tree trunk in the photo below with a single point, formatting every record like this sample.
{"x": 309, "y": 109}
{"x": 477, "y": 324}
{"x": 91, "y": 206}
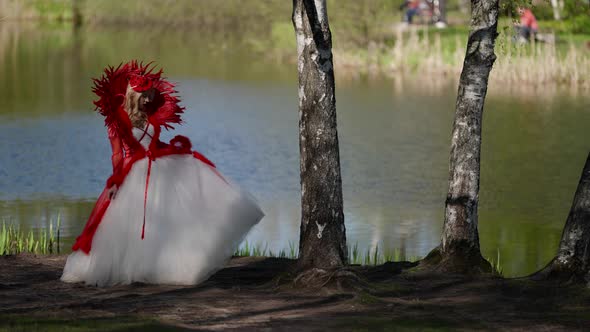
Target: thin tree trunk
{"x": 76, "y": 13}
{"x": 459, "y": 250}
{"x": 322, "y": 241}
{"x": 464, "y": 6}
{"x": 442, "y": 12}
{"x": 555, "y": 5}
{"x": 572, "y": 262}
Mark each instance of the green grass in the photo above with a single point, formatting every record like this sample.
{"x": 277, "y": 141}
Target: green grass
{"x": 44, "y": 241}
{"x": 377, "y": 256}
{"x": 248, "y": 249}
{"x": 496, "y": 264}
{"x": 367, "y": 257}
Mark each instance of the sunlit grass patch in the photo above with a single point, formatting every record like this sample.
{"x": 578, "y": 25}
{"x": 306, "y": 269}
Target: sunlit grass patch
{"x": 369, "y": 256}
{"x": 496, "y": 264}
{"x": 248, "y": 249}
{"x": 376, "y": 256}
{"x": 43, "y": 241}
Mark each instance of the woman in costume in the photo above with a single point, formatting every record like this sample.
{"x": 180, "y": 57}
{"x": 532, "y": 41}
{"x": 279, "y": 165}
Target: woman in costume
{"x": 166, "y": 216}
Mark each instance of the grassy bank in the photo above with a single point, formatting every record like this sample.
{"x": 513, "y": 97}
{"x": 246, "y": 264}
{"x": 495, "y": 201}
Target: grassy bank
{"x": 432, "y": 54}
{"x": 356, "y": 256}
{"x": 368, "y": 39}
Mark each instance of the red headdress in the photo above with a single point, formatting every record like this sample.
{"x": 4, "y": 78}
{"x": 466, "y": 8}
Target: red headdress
{"x": 112, "y": 86}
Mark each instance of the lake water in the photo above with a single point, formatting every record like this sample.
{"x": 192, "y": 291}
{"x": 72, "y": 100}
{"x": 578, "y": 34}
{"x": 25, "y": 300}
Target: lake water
{"x": 242, "y": 114}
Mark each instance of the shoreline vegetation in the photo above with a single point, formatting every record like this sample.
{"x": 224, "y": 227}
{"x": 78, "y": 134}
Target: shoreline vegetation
{"x": 46, "y": 241}
{"x": 373, "y": 46}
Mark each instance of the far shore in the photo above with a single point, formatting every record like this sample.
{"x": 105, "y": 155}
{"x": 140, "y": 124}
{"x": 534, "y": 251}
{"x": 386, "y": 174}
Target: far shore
{"x": 422, "y": 52}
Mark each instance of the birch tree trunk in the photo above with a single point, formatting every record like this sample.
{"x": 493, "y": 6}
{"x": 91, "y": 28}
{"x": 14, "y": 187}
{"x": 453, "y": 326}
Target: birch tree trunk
{"x": 442, "y": 12}
{"x": 555, "y": 5}
{"x": 572, "y": 262}
{"x": 464, "y": 6}
{"x": 459, "y": 250}
{"x": 322, "y": 242}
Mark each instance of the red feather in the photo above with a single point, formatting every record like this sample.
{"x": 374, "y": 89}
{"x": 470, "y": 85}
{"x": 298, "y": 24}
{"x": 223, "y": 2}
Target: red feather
{"x": 111, "y": 88}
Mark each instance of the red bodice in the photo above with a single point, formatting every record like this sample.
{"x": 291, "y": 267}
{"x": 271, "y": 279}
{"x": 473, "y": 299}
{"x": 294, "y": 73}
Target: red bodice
{"x": 126, "y": 151}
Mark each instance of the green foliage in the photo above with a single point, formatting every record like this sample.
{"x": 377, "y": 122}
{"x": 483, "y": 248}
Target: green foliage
{"x": 576, "y": 8}
{"x": 53, "y": 9}
{"x": 581, "y": 24}
{"x": 357, "y": 23}
{"x": 543, "y": 10}
{"x": 509, "y": 7}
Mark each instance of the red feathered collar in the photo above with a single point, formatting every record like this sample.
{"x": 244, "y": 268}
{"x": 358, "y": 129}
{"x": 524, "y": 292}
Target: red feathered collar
{"x": 112, "y": 85}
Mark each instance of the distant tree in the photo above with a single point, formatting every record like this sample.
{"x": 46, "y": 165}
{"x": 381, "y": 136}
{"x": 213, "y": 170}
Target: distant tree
{"x": 76, "y": 13}
{"x": 442, "y": 13}
{"x": 464, "y": 6}
{"x": 557, "y": 8}
{"x": 322, "y": 241}
{"x": 459, "y": 250}
{"x": 572, "y": 262}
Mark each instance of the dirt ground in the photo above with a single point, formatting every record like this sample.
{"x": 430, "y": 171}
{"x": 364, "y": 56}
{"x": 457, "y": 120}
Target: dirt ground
{"x": 245, "y": 296}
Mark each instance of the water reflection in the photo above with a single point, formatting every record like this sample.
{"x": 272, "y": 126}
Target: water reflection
{"x": 241, "y": 112}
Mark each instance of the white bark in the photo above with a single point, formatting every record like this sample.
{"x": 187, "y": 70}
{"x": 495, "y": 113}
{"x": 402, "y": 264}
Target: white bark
{"x": 323, "y": 236}
{"x": 572, "y": 262}
{"x": 460, "y": 233}
{"x": 556, "y": 9}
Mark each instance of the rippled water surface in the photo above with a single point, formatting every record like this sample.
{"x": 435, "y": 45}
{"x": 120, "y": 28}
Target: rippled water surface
{"x": 242, "y": 114}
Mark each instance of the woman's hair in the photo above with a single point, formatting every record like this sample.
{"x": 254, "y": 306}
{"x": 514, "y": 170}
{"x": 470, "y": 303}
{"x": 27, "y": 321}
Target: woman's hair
{"x": 138, "y": 118}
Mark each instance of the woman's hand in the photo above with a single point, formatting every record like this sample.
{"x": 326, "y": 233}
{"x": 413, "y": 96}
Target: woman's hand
{"x": 112, "y": 191}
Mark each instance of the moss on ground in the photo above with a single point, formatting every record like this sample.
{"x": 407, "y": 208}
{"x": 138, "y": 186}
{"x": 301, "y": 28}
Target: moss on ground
{"x": 17, "y": 323}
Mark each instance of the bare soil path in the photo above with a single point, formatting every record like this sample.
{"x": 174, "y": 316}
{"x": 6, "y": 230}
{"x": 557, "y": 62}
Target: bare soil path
{"x": 245, "y": 296}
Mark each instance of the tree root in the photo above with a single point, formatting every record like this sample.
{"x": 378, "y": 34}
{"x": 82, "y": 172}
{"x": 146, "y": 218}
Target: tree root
{"x": 468, "y": 262}
{"x": 341, "y": 279}
{"x": 562, "y": 274}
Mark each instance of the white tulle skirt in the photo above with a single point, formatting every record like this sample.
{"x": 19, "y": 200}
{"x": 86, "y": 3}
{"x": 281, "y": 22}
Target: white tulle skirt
{"x": 195, "y": 220}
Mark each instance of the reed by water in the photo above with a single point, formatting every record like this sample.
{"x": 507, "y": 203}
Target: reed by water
{"x": 43, "y": 241}
{"x": 356, "y": 256}
{"x": 432, "y": 56}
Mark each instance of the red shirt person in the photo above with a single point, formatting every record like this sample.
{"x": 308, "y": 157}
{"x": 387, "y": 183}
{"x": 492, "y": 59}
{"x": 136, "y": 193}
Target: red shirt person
{"x": 527, "y": 19}
{"x": 528, "y": 24}
{"x": 413, "y": 9}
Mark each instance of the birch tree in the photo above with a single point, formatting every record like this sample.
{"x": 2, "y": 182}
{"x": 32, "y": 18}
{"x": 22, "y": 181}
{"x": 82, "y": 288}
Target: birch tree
{"x": 557, "y": 6}
{"x": 572, "y": 262}
{"x": 459, "y": 250}
{"x": 464, "y": 6}
{"x": 322, "y": 243}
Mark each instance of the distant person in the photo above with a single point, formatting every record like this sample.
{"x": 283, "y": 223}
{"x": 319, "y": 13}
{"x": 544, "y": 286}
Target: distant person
{"x": 528, "y": 26}
{"x": 412, "y": 9}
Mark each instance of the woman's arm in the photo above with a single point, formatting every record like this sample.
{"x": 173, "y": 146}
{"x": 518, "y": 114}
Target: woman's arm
{"x": 116, "y": 158}
{"x": 116, "y": 145}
